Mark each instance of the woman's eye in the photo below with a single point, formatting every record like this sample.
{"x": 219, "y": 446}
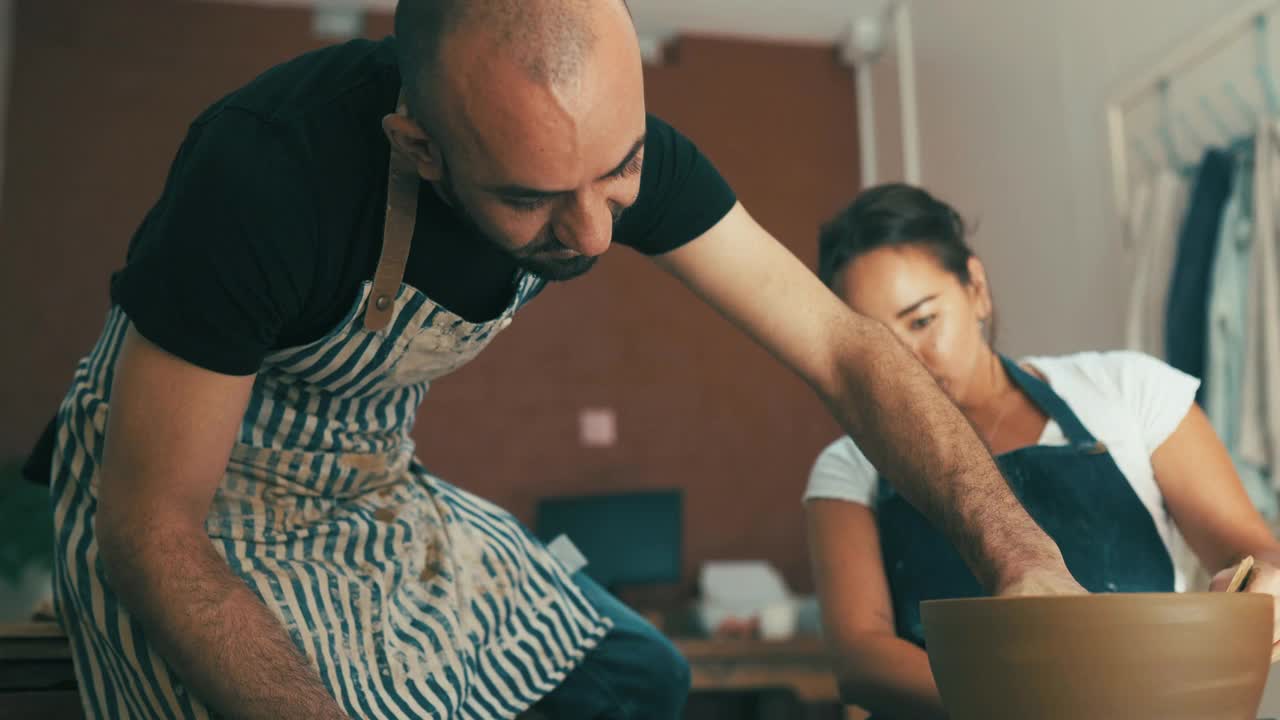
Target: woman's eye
{"x": 921, "y": 323}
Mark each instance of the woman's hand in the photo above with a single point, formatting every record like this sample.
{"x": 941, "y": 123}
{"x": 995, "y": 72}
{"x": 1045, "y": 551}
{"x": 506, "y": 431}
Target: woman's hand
{"x": 1265, "y": 579}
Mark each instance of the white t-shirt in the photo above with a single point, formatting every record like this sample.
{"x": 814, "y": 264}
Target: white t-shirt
{"x": 1131, "y": 402}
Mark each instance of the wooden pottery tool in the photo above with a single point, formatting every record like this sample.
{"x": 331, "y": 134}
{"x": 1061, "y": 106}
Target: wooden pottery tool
{"x": 1243, "y": 570}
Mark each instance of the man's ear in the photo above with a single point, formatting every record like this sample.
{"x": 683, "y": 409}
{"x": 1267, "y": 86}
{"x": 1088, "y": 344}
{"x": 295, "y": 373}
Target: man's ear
{"x": 409, "y": 139}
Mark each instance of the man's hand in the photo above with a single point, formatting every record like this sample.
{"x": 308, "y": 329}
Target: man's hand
{"x": 1041, "y": 581}
{"x": 1265, "y": 579}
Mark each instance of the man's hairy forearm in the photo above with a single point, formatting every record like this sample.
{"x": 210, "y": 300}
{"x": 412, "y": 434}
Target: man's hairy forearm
{"x": 922, "y": 443}
{"x": 229, "y": 649}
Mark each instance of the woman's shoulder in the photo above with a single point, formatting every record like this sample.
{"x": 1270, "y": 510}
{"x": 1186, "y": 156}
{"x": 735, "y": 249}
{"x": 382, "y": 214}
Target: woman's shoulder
{"x": 1113, "y": 372}
{"x": 1122, "y": 386}
{"x": 842, "y": 472}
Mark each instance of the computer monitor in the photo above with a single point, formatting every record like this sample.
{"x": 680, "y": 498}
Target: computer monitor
{"x": 628, "y": 538}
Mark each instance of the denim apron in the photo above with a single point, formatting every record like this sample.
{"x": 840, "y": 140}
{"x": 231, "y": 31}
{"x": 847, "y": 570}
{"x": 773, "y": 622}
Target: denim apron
{"x": 1075, "y": 492}
{"x": 410, "y": 597}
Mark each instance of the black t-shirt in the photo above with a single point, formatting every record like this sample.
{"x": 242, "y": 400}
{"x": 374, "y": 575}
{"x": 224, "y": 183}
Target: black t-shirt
{"x": 272, "y": 216}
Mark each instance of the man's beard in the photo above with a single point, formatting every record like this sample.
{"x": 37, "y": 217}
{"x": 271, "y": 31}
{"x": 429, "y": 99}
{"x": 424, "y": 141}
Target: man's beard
{"x": 556, "y": 269}
{"x": 535, "y": 257}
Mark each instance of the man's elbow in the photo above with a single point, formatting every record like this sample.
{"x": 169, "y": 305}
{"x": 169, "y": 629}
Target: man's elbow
{"x": 851, "y": 358}
{"x": 123, "y": 557}
{"x": 132, "y": 543}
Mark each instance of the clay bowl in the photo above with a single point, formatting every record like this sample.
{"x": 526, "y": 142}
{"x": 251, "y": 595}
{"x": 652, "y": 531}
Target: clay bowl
{"x": 1126, "y": 656}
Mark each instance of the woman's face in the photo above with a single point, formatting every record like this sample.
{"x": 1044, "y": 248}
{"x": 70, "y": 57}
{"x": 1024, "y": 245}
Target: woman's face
{"x": 936, "y": 314}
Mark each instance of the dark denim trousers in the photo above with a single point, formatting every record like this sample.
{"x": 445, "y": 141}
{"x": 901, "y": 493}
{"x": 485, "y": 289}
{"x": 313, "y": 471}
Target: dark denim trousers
{"x": 635, "y": 673}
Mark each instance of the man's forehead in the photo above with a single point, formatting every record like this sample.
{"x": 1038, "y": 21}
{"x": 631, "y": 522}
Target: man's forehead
{"x": 539, "y": 136}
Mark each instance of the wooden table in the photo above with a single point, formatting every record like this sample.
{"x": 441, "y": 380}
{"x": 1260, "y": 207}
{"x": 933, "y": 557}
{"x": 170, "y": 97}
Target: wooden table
{"x": 801, "y": 665}
{"x": 37, "y": 678}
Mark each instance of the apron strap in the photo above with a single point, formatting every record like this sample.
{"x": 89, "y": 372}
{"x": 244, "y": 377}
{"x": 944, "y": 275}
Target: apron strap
{"x": 397, "y": 236}
{"x": 1051, "y": 404}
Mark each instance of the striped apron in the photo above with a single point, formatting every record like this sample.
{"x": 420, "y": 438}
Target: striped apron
{"x": 410, "y": 597}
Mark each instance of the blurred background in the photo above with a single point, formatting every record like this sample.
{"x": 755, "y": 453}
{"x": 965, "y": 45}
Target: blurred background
{"x": 1041, "y": 121}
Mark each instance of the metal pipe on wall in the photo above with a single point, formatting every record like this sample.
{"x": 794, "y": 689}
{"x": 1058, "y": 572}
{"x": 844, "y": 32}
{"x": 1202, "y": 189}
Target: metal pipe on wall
{"x": 907, "y": 94}
{"x": 861, "y": 47}
{"x": 866, "y": 127}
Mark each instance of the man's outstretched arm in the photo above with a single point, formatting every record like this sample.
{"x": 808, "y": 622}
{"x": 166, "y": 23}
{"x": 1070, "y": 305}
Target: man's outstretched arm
{"x": 882, "y": 396}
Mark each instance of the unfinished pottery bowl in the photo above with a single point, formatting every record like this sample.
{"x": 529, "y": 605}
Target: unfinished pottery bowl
{"x": 1161, "y": 656}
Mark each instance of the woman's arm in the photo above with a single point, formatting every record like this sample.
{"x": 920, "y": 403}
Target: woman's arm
{"x": 1212, "y": 509}
{"x": 1206, "y": 499}
{"x": 875, "y": 669}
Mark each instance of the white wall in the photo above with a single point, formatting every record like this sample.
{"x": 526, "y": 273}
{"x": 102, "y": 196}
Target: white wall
{"x": 1012, "y": 133}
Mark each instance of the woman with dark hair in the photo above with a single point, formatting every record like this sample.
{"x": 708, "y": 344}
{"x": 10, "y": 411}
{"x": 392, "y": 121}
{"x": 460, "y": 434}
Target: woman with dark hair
{"x": 1107, "y": 451}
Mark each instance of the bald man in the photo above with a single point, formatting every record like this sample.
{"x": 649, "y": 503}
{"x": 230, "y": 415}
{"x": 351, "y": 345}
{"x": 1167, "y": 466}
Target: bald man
{"x": 243, "y": 527}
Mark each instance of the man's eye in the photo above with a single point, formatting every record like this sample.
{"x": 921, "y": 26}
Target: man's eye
{"x": 633, "y": 167}
{"x": 526, "y": 204}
